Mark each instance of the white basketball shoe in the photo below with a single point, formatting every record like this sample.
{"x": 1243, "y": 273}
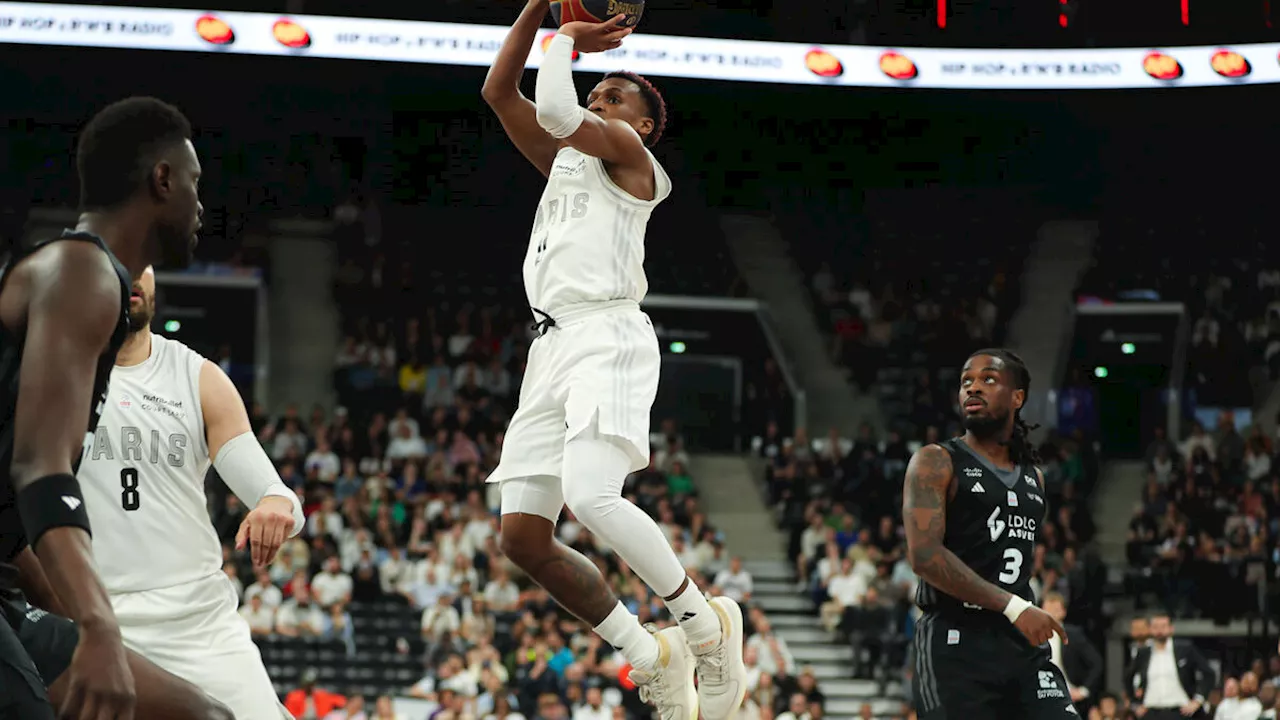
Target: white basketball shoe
{"x": 722, "y": 676}
{"x": 669, "y": 685}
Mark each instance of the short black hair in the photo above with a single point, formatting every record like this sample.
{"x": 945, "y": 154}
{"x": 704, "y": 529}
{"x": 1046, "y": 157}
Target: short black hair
{"x": 1021, "y": 450}
{"x": 119, "y": 145}
{"x": 653, "y": 98}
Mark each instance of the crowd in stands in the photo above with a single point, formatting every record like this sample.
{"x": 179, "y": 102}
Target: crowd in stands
{"x": 1200, "y": 537}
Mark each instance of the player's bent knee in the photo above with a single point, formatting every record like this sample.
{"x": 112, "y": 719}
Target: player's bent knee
{"x": 526, "y": 539}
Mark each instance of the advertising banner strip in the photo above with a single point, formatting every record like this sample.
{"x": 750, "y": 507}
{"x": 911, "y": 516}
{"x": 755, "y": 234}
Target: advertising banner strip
{"x": 659, "y": 55}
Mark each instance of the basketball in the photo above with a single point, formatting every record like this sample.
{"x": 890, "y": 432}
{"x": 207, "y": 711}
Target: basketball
{"x": 596, "y": 10}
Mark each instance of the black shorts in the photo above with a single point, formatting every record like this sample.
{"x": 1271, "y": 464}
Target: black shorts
{"x": 35, "y": 649}
{"x": 978, "y": 669}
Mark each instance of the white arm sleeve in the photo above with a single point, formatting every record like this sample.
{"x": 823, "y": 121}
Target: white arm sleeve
{"x": 557, "y": 100}
{"x": 247, "y": 470}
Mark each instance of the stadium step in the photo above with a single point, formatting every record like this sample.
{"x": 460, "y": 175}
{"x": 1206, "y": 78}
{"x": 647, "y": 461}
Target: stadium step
{"x": 806, "y": 635}
{"x": 826, "y": 670}
{"x": 856, "y": 689}
{"x": 773, "y": 587}
{"x": 807, "y": 653}
{"x": 784, "y": 604}
{"x": 851, "y": 708}
{"x": 770, "y": 570}
{"x": 780, "y": 622}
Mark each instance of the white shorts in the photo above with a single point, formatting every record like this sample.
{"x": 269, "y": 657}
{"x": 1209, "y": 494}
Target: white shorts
{"x": 599, "y": 364}
{"x": 195, "y": 632}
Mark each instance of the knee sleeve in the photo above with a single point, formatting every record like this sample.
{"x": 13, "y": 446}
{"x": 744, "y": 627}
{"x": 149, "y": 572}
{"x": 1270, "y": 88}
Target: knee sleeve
{"x": 594, "y": 471}
{"x": 595, "y": 468}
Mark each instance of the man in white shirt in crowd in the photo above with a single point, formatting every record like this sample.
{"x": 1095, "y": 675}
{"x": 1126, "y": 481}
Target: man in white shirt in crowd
{"x": 261, "y": 619}
{"x": 331, "y": 586}
{"x": 501, "y": 594}
{"x": 1169, "y": 679}
{"x": 774, "y": 657}
{"x": 324, "y": 461}
{"x": 300, "y": 617}
{"x": 440, "y": 618}
{"x": 405, "y": 445}
{"x": 594, "y": 707}
{"x": 264, "y": 588}
{"x": 1240, "y": 700}
{"x": 846, "y": 589}
{"x": 734, "y": 582}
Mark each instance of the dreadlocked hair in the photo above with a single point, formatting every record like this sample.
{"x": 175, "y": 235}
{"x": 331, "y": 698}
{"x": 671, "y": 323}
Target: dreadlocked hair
{"x": 1021, "y": 451}
{"x": 652, "y": 98}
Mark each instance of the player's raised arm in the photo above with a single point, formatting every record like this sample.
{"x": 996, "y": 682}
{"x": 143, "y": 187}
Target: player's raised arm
{"x": 612, "y": 140}
{"x": 245, "y": 468}
{"x": 74, "y": 304}
{"x": 924, "y": 513}
{"x": 501, "y": 89}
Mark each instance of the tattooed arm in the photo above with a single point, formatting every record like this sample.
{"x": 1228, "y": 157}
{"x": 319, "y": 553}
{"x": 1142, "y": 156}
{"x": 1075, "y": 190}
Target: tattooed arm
{"x": 924, "y": 512}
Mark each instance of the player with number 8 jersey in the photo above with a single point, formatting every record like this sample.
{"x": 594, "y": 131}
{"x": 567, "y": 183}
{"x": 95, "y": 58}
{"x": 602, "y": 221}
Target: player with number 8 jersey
{"x": 168, "y": 415}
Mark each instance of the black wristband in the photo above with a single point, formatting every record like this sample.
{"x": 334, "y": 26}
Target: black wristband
{"x": 53, "y": 501}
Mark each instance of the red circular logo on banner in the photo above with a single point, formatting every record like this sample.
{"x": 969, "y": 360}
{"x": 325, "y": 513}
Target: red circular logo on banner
{"x": 1161, "y": 66}
{"x": 547, "y": 41}
{"x": 1230, "y": 64}
{"x": 823, "y": 64}
{"x": 898, "y": 66}
{"x": 291, "y": 35}
{"x": 214, "y": 30}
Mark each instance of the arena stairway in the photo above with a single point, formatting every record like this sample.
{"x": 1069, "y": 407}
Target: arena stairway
{"x": 795, "y": 619}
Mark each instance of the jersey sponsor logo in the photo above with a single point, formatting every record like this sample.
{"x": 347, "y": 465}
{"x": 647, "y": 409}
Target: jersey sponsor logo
{"x": 1031, "y": 481}
{"x": 1049, "y": 686}
{"x": 155, "y": 403}
{"x": 1036, "y": 497}
{"x": 977, "y": 487}
{"x": 1013, "y": 499}
{"x": 125, "y": 403}
{"x": 133, "y": 445}
{"x": 1019, "y": 527}
{"x": 562, "y": 168}
{"x": 953, "y": 637}
{"x": 973, "y": 472}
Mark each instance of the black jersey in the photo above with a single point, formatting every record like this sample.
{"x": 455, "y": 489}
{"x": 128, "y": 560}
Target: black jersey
{"x": 12, "y": 537}
{"x": 992, "y": 526}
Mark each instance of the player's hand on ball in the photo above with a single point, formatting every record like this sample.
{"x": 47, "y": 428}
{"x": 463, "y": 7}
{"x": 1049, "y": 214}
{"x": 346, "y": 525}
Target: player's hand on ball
{"x": 266, "y": 528}
{"x": 1037, "y": 626}
{"x": 596, "y": 37}
{"x": 100, "y": 684}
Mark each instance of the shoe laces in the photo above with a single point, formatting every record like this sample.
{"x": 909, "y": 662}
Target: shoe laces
{"x": 713, "y": 667}
{"x": 654, "y": 688}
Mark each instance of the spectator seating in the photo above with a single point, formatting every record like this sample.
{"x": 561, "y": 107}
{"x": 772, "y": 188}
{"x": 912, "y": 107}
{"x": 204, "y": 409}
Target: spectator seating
{"x": 1232, "y": 295}
{"x": 932, "y": 276}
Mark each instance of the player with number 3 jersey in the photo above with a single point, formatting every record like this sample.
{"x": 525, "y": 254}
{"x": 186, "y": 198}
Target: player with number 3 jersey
{"x": 168, "y": 413}
{"x": 972, "y": 507}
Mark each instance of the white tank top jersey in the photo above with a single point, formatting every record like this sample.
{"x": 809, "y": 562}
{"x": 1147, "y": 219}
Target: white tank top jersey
{"x": 587, "y": 243}
{"x": 143, "y": 475}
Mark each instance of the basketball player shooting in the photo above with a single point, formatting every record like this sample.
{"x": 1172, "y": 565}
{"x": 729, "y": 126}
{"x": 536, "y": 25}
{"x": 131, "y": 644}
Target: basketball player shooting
{"x": 168, "y": 412}
{"x": 64, "y": 313}
{"x": 973, "y": 508}
{"x": 583, "y": 421}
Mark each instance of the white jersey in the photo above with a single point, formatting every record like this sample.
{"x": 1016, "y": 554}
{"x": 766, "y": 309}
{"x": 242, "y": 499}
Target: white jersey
{"x": 143, "y": 475}
{"x": 587, "y": 243}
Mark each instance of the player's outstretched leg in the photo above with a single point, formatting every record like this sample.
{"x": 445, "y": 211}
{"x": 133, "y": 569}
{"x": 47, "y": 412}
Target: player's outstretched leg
{"x": 595, "y": 467}
{"x": 662, "y": 662}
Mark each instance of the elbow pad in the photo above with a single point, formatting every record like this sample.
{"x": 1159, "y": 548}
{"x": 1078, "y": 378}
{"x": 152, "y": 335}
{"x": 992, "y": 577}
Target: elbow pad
{"x": 557, "y": 100}
{"x": 246, "y": 469}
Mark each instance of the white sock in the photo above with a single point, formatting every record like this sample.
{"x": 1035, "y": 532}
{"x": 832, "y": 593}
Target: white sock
{"x": 623, "y": 631}
{"x": 700, "y": 622}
